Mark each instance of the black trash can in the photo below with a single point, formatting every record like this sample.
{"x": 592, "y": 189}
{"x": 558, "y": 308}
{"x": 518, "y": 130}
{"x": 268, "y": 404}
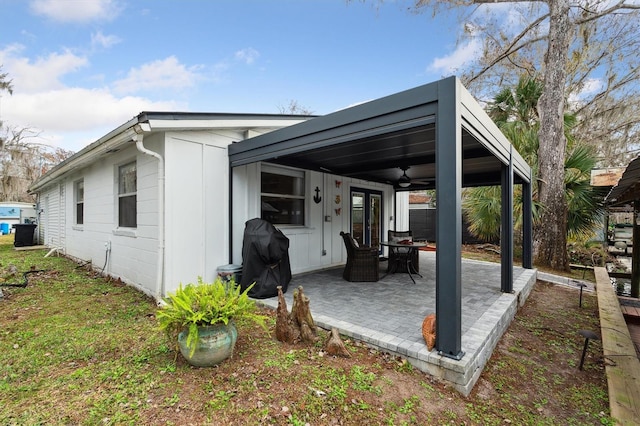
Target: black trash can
{"x": 24, "y": 234}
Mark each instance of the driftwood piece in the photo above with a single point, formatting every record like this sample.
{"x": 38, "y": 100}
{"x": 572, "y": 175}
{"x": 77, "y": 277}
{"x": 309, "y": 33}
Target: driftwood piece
{"x": 429, "y": 331}
{"x": 335, "y": 346}
{"x": 297, "y": 326}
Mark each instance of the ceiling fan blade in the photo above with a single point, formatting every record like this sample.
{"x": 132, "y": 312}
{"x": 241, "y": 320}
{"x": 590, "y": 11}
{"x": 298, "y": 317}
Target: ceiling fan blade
{"x": 423, "y": 181}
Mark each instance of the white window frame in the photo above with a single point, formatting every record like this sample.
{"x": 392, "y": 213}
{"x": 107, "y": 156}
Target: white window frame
{"x": 286, "y": 171}
{"x": 122, "y": 195}
{"x": 78, "y": 200}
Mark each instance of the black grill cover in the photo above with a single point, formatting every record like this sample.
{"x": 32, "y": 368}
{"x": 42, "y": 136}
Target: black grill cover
{"x": 265, "y": 259}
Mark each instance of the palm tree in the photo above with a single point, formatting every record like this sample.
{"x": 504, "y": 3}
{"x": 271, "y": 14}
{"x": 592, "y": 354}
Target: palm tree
{"x": 515, "y": 113}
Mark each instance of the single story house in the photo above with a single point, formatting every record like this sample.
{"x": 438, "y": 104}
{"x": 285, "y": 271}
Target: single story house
{"x": 149, "y": 202}
{"x": 164, "y": 198}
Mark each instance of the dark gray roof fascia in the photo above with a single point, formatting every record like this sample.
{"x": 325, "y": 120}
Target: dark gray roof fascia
{"x": 628, "y": 187}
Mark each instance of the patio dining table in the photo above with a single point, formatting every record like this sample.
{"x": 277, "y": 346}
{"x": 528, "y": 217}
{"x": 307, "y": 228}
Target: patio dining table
{"x": 403, "y": 252}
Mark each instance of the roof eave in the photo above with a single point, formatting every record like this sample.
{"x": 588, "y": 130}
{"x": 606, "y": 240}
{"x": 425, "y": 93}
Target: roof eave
{"x": 85, "y": 156}
{"x": 162, "y": 121}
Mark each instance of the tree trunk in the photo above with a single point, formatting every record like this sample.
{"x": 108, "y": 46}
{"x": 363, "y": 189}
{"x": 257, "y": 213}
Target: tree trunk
{"x": 635, "y": 253}
{"x": 550, "y": 245}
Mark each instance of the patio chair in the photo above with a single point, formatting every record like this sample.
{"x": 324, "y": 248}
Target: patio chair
{"x": 395, "y": 236}
{"x": 363, "y": 263}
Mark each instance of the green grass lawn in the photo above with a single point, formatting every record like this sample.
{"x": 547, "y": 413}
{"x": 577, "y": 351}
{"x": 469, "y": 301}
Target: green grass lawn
{"x": 78, "y": 349}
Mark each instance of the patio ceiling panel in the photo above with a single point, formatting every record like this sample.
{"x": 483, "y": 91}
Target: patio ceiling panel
{"x": 391, "y": 115}
{"x": 373, "y": 141}
{"x": 376, "y": 158}
{"x": 484, "y": 131}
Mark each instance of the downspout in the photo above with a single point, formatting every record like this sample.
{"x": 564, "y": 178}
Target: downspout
{"x": 230, "y": 207}
{"x": 140, "y": 129}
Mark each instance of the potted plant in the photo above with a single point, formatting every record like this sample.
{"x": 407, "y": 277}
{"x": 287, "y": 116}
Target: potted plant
{"x": 203, "y": 316}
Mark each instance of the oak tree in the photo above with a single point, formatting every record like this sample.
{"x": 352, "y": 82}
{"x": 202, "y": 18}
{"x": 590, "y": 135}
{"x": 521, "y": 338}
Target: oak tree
{"x": 569, "y": 43}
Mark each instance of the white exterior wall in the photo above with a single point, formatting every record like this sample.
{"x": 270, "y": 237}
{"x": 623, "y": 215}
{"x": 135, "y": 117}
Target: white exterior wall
{"x": 197, "y": 205}
{"x": 133, "y": 252}
{"x": 196, "y": 213}
{"x": 318, "y": 244}
{"x": 51, "y": 216}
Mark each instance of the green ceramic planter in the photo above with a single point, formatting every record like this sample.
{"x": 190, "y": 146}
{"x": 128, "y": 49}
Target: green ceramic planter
{"x": 215, "y": 344}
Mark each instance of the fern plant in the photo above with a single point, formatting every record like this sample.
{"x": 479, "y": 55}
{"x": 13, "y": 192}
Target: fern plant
{"x": 202, "y": 304}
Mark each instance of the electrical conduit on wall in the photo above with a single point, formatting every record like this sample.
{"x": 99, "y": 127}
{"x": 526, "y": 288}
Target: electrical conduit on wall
{"x": 139, "y": 137}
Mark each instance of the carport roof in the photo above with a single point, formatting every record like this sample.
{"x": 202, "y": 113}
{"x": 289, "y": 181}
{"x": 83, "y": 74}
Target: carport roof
{"x": 374, "y": 140}
{"x": 627, "y": 189}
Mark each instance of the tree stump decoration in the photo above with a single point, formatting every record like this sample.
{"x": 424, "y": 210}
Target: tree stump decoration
{"x": 298, "y": 325}
{"x": 306, "y": 335}
{"x": 300, "y": 311}
{"x": 335, "y": 346}
{"x": 429, "y": 331}
{"x": 285, "y": 332}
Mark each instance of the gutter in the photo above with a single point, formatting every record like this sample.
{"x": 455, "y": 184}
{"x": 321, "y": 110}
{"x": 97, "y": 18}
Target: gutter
{"x": 111, "y": 141}
{"x": 140, "y": 129}
{"x": 160, "y": 121}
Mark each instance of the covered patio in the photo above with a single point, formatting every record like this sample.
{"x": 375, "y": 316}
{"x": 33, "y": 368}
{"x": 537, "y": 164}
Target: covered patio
{"x": 388, "y": 314}
{"x": 441, "y": 138}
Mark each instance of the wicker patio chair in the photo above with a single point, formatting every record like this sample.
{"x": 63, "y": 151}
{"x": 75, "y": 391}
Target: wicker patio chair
{"x": 394, "y": 236}
{"x": 363, "y": 263}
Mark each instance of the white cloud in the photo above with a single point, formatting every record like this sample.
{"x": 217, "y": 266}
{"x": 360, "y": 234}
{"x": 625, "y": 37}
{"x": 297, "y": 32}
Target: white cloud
{"x": 75, "y": 110}
{"x": 248, "y": 55}
{"x": 104, "y": 41}
{"x": 78, "y": 11}
{"x": 71, "y": 117}
{"x": 589, "y": 88}
{"x": 450, "y": 64}
{"x": 43, "y": 73}
{"x": 160, "y": 74}
{"x": 10, "y": 51}
{"x": 508, "y": 13}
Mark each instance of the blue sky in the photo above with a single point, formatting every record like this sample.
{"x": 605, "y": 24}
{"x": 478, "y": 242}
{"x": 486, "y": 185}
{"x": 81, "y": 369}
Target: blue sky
{"x": 80, "y": 68}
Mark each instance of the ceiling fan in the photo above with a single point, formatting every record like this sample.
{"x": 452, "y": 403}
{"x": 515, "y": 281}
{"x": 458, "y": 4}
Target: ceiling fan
{"x": 405, "y": 181}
